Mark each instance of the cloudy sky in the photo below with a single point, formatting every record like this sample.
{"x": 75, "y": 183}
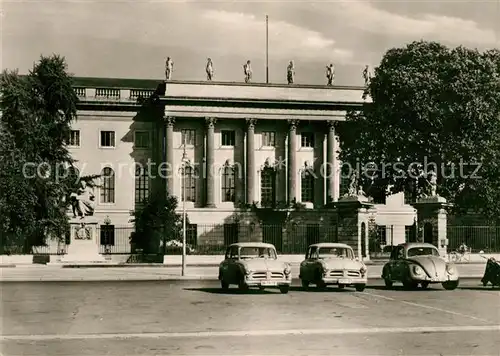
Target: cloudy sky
{"x": 131, "y": 38}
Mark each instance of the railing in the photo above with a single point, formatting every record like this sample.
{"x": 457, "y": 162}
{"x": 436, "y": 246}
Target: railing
{"x": 477, "y": 238}
{"x": 111, "y": 94}
{"x": 213, "y": 239}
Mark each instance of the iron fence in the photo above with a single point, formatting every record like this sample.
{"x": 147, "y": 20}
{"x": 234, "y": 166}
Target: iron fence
{"x": 212, "y": 239}
{"x": 477, "y": 238}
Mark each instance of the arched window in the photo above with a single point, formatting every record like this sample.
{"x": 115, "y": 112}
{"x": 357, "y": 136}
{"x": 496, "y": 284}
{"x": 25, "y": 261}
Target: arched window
{"x": 189, "y": 184}
{"x": 108, "y": 185}
{"x": 267, "y": 187}
{"x": 228, "y": 184}
{"x": 141, "y": 184}
{"x": 307, "y": 186}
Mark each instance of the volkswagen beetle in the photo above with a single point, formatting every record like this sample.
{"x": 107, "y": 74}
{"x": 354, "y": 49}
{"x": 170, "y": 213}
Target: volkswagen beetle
{"x": 332, "y": 263}
{"x": 419, "y": 263}
{"x": 254, "y": 264}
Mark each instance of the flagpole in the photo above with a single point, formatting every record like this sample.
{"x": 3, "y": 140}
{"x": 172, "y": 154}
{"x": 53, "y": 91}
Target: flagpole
{"x": 267, "y": 49}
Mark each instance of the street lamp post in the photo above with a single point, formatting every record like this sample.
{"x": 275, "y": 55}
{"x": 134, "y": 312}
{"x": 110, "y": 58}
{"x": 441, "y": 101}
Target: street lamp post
{"x": 184, "y": 162}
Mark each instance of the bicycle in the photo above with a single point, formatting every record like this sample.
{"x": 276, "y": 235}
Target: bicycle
{"x": 460, "y": 256}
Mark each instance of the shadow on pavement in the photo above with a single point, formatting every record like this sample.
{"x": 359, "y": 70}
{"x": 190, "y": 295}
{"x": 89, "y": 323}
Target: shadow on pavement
{"x": 403, "y": 289}
{"x": 234, "y": 291}
{"x": 487, "y": 288}
{"x": 321, "y": 290}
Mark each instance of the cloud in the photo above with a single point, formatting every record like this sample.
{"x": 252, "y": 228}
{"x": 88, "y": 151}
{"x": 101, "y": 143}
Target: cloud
{"x": 426, "y": 26}
{"x": 241, "y": 32}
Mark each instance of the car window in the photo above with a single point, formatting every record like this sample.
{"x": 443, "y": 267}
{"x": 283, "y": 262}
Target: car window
{"x": 313, "y": 253}
{"x": 335, "y": 252}
{"x": 234, "y": 252}
{"x": 257, "y": 252}
{"x": 423, "y": 251}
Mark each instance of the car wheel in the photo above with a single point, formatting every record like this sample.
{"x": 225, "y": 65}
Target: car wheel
{"x": 450, "y": 285}
{"x": 360, "y": 287}
{"x": 284, "y": 289}
{"x": 485, "y": 282}
{"x": 224, "y": 285}
{"x": 388, "y": 282}
{"x": 424, "y": 285}
{"x": 305, "y": 284}
{"x": 341, "y": 286}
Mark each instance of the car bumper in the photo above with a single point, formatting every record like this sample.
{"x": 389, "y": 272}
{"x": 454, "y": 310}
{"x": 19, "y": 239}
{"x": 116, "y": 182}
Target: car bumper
{"x": 268, "y": 283}
{"x": 440, "y": 279}
{"x": 348, "y": 281}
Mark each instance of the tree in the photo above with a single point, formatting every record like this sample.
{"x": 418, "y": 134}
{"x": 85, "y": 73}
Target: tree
{"x": 156, "y": 222}
{"x": 35, "y": 164}
{"x": 436, "y": 107}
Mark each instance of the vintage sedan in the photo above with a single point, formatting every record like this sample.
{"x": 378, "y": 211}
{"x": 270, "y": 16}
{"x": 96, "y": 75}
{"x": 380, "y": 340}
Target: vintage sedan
{"x": 254, "y": 264}
{"x": 332, "y": 263}
{"x": 419, "y": 263}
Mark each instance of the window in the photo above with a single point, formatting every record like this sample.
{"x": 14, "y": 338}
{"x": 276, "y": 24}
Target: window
{"x": 307, "y": 139}
{"x": 108, "y": 186}
{"x": 74, "y": 138}
{"x": 307, "y": 186}
{"x": 141, "y": 184}
{"x": 228, "y": 138}
{"x": 410, "y": 235}
{"x": 107, "y": 139}
{"x": 192, "y": 235}
{"x": 141, "y": 139}
{"x": 228, "y": 184}
{"x": 267, "y": 187}
{"x": 107, "y": 235}
{"x": 188, "y": 137}
{"x": 230, "y": 234}
{"x": 189, "y": 185}
{"x": 269, "y": 138}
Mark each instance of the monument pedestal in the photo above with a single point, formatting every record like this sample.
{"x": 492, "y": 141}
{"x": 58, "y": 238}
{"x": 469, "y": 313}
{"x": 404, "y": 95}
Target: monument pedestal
{"x": 432, "y": 222}
{"x": 352, "y": 224}
{"x": 84, "y": 247}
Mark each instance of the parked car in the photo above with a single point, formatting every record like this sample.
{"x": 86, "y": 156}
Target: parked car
{"x": 332, "y": 263}
{"x": 419, "y": 263}
{"x": 254, "y": 264}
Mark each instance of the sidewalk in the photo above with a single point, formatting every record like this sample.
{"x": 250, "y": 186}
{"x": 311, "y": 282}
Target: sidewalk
{"x": 31, "y": 273}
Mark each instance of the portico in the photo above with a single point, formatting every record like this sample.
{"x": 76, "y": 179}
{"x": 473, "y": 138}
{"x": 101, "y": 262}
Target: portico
{"x": 273, "y": 145}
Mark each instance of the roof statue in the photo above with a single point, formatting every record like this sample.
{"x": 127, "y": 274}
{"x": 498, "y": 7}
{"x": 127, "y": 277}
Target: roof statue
{"x": 330, "y": 74}
{"x": 290, "y": 73}
{"x": 169, "y": 68}
{"x": 247, "y": 69}
{"x": 367, "y": 75}
{"x": 210, "y": 69}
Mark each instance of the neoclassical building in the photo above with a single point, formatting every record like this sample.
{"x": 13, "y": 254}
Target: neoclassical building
{"x": 235, "y": 154}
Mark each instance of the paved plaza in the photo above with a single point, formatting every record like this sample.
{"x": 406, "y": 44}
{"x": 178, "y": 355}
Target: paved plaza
{"x": 194, "y": 317}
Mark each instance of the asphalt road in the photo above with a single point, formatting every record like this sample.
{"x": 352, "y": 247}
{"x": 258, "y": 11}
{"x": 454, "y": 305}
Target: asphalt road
{"x": 196, "y": 318}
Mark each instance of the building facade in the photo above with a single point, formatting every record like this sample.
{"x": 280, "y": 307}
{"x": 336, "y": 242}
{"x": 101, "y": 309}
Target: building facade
{"x": 233, "y": 153}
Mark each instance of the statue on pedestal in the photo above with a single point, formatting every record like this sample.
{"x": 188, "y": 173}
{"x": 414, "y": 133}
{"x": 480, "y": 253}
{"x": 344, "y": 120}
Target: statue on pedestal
{"x": 169, "y": 68}
{"x": 353, "y": 185}
{"x": 210, "y": 69}
{"x": 432, "y": 181}
{"x": 83, "y": 201}
{"x": 330, "y": 74}
{"x": 247, "y": 69}
{"x": 367, "y": 76}
{"x": 290, "y": 73}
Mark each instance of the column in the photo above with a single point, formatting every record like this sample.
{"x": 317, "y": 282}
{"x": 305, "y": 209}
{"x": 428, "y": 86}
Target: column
{"x": 169, "y": 155}
{"x": 210, "y": 161}
{"x": 330, "y": 162}
{"x": 250, "y": 167}
{"x": 292, "y": 159}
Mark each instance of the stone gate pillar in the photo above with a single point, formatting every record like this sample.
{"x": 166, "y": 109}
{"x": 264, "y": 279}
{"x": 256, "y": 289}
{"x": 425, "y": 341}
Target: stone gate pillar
{"x": 353, "y": 214}
{"x": 432, "y": 222}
